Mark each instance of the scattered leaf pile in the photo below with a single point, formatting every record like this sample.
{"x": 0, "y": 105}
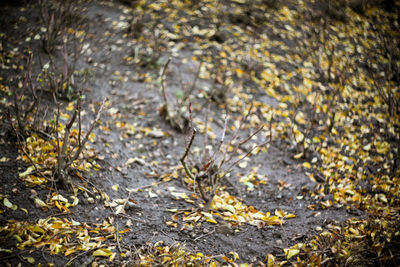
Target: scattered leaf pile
{"x": 322, "y": 79}
{"x": 43, "y": 153}
{"x": 64, "y": 236}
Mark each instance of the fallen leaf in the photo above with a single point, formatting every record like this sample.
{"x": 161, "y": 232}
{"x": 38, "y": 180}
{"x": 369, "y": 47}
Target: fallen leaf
{"x": 152, "y": 194}
{"x": 39, "y": 202}
{"x": 156, "y": 133}
{"x": 291, "y": 252}
{"x": 7, "y": 203}
{"x": 115, "y": 187}
{"x": 4, "y": 159}
{"x": 102, "y": 252}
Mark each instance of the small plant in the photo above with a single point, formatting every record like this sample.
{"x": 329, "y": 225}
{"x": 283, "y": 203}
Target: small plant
{"x": 66, "y": 157}
{"x": 322, "y": 103}
{"x": 59, "y": 74}
{"x": 57, "y": 156}
{"x": 25, "y": 113}
{"x": 55, "y": 17}
{"x": 59, "y": 146}
{"x": 149, "y": 40}
{"x": 63, "y": 31}
{"x": 172, "y": 113}
{"x": 386, "y": 80}
{"x": 214, "y": 167}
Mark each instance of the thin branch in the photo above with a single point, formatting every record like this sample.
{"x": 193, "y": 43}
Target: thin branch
{"x": 162, "y": 78}
{"x": 270, "y": 128}
{"x": 190, "y": 91}
{"x": 21, "y": 125}
{"x": 245, "y": 156}
{"x": 250, "y": 136}
{"x": 117, "y": 237}
{"x": 94, "y": 122}
{"x": 243, "y": 119}
{"x": 21, "y": 146}
{"x": 204, "y": 235}
{"x": 205, "y": 141}
{"x": 28, "y": 76}
{"x": 187, "y": 170}
{"x": 235, "y": 137}
{"x": 68, "y": 127}
{"x": 79, "y": 119}
{"x": 220, "y": 143}
{"x": 59, "y": 156}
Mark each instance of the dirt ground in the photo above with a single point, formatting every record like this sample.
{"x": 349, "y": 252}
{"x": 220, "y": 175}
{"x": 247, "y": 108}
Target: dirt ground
{"x": 138, "y": 152}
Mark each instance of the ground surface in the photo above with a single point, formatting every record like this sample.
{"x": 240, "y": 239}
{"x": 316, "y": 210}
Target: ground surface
{"x": 305, "y": 196}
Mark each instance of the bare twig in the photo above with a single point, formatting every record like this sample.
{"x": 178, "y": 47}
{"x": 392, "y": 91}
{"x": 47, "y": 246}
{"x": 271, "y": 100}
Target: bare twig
{"x": 85, "y": 139}
{"x": 234, "y": 137}
{"x": 27, "y": 82}
{"x": 21, "y": 146}
{"x": 68, "y": 127}
{"x": 215, "y": 172}
{"x": 196, "y": 177}
{"x": 117, "y": 237}
{"x": 201, "y": 236}
{"x": 221, "y": 141}
{"x": 162, "y": 80}
{"x": 205, "y": 141}
{"x": 77, "y": 256}
{"x": 59, "y": 161}
{"x": 190, "y": 91}
{"x": 245, "y": 156}
{"x": 187, "y": 170}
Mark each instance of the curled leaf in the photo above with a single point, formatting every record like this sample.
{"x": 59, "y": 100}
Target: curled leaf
{"x": 102, "y": 252}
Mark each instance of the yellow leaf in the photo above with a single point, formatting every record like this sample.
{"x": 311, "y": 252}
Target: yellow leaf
{"x": 102, "y": 252}
{"x": 209, "y": 217}
{"x": 18, "y": 238}
{"x": 270, "y": 259}
{"x": 367, "y": 147}
{"x": 230, "y": 208}
{"x": 112, "y": 257}
{"x": 37, "y": 229}
{"x": 7, "y": 203}
{"x": 315, "y": 139}
{"x": 290, "y": 252}
{"x": 152, "y": 194}
{"x": 115, "y": 187}
{"x": 60, "y": 198}
{"x": 354, "y": 231}
{"x": 70, "y": 251}
{"x": 297, "y": 156}
{"x": 235, "y": 255}
{"x": 25, "y": 210}
{"x": 279, "y": 213}
{"x": 31, "y": 260}
{"x": 239, "y": 72}
{"x": 382, "y": 198}
{"x": 39, "y": 202}
{"x": 75, "y": 201}
{"x": 4, "y": 159}
{"x": 306, "y": 165}
{"x": 28, "y": 171}
{"x": 119, "y": 209}
{"x": 290, "y": 216}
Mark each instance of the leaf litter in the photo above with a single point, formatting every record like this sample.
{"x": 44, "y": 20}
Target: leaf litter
{"x": 320, "y": 104}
